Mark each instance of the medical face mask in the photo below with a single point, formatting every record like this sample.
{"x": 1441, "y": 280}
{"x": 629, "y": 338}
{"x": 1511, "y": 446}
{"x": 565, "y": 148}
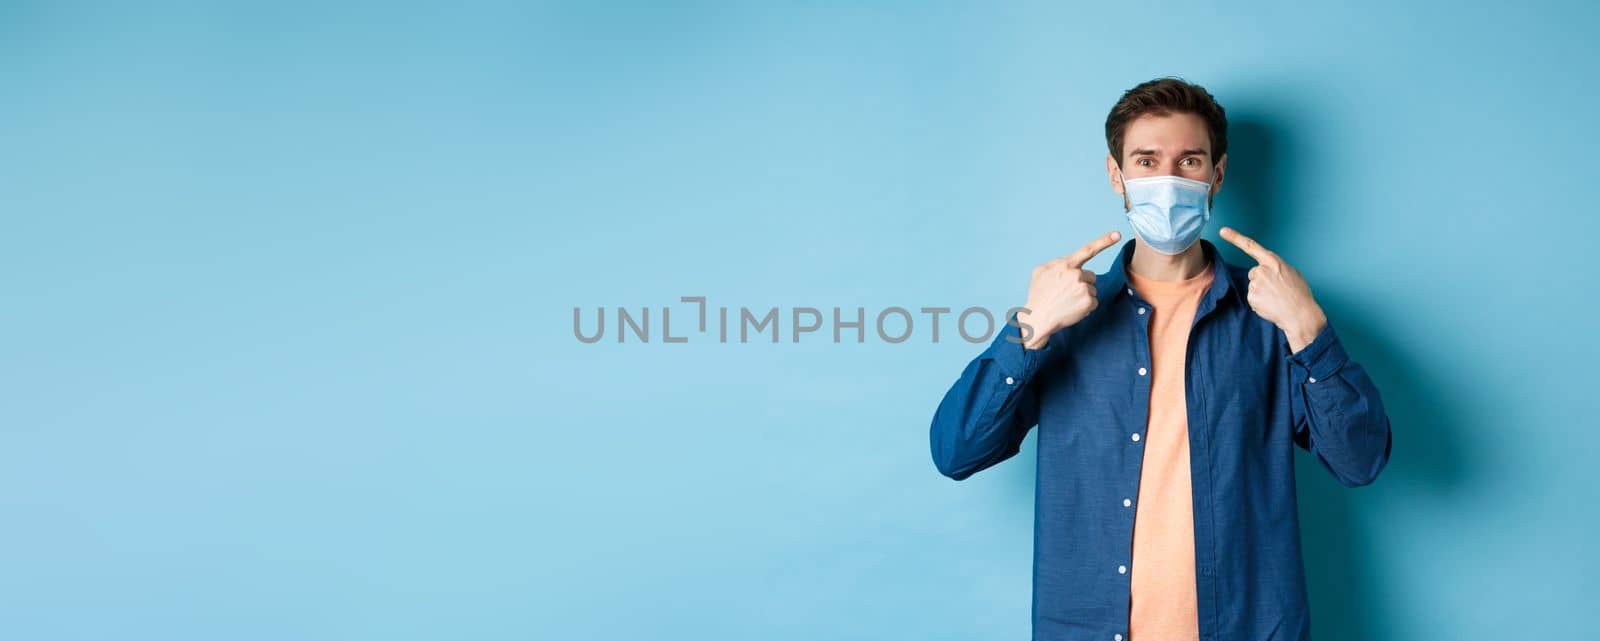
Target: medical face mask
{"x": 1168, "y": 212}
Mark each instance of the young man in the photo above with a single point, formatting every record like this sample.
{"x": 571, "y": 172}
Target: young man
{"x": 1169, "y": 393}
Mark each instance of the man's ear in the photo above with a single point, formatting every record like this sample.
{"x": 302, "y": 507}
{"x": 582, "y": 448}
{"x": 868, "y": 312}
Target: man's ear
{"x": 1113, "y": 174}
{"x": 1222, "y": 168}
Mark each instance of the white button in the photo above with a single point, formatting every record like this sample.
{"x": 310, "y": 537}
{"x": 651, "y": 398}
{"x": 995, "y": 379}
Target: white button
{"x": 1142, "y": 371}
{"x": 1127, "y": 502}
{"x": 1141, "y": 311}
{"x": 1116, "y": 637}
{"x": 1010, "y": 381}
{"x": 1135, "y": 436}
{"x": 1311, "y": 380}
{"x": 1130, "y": 290}
{"x": 1122, "y": 569}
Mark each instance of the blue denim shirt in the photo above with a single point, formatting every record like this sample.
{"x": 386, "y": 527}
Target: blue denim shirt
{"x": 1250, "y": 401}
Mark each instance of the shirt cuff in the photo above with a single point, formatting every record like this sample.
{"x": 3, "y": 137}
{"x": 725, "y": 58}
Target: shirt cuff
{"x": 1323, "y": 356}
{"x": 1011, "y": 358}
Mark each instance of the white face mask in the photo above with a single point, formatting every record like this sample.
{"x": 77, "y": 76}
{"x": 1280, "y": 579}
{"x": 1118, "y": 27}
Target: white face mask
{"x": 1168, "y": 212}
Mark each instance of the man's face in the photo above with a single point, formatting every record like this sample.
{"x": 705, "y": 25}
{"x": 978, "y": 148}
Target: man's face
{"x": 1173, "y": 145}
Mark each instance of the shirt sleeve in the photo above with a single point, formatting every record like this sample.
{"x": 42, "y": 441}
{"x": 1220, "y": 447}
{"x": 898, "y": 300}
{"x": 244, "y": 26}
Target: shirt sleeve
{"x": 989, "y": 410}
{"x": 1337, "y": 411}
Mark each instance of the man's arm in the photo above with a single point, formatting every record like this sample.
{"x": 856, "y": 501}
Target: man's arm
{"x": 1335, "y": 407}
{"x": 1337, "y": 411}
{"x": 989, "y": 410}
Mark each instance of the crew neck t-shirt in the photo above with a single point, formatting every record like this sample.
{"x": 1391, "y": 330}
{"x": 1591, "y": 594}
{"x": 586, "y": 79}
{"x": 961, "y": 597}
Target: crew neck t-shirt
{"x": 1162, "y": 588}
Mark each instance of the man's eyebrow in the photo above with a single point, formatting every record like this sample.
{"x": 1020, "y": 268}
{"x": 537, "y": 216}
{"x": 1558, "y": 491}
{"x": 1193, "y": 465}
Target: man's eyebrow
{"x": 1196, "y": 151}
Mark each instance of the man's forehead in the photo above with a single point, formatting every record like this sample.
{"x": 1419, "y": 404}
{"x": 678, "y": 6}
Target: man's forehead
{"x": 1167, "y": 134}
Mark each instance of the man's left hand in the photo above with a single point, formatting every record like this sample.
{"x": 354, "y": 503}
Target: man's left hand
{"x": 1279, "y": 293}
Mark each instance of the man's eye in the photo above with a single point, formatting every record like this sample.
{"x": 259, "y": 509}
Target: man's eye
{"x": 1145, "y": 162}
{"x": 1191, "y": 161}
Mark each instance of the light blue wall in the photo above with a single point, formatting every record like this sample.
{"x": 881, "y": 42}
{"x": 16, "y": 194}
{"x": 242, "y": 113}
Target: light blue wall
{"x": 288, "y": 298}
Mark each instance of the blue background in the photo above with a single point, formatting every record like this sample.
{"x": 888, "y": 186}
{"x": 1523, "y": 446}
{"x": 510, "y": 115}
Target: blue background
{"x": 288, "y": 293}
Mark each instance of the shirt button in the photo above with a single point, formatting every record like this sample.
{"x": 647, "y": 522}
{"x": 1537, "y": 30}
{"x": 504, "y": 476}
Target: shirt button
{"x": 1116, "y": 637}
{"x": 1127, "y": 502}
{"x": 1122, "y": 569}
{"x": 1311, "y": 380}
{"x": 1142, "y": 371}
{"x": 1135, "y": 436}
{"x": 1130, "y": 290}
{"x": 1141, "y": 311}
{"x": 1010, "y": 381}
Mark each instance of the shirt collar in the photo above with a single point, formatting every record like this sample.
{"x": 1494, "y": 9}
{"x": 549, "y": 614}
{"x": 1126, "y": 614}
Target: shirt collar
{"x": 1114, "y": 282}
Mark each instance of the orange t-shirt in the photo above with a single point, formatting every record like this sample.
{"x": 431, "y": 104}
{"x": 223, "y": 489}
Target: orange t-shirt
{"x": 1163, "y": 602}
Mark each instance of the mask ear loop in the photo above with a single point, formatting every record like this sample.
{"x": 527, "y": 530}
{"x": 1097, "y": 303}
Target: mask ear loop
{"x": 1127, "y": 200}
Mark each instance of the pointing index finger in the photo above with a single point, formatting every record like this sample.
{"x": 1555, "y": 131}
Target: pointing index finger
{"x": 1076, "y": 259}
{"x": 1248, "y": 245}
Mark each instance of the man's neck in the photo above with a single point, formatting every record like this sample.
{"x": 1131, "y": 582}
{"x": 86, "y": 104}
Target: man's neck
{"x": 1153, "y": 265}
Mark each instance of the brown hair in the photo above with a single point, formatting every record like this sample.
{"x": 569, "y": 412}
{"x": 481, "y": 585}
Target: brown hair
{"x": 1162, "y": 97}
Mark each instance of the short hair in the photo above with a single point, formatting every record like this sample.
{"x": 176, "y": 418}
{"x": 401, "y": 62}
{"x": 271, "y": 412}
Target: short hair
{"x": 1163, "y": 97}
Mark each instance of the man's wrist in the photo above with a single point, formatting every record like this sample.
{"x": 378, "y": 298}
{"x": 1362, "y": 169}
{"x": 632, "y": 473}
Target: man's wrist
{"x": 1301, "y": 334}
{"x": 1037, "y": 341}
{"x": 1035, "y": 336}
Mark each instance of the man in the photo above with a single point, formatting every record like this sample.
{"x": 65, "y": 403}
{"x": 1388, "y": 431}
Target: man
{"x": 1169, "y": 393}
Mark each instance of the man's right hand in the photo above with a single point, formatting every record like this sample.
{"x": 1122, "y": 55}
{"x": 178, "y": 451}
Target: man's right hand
{"x": 1062, "y": 292}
